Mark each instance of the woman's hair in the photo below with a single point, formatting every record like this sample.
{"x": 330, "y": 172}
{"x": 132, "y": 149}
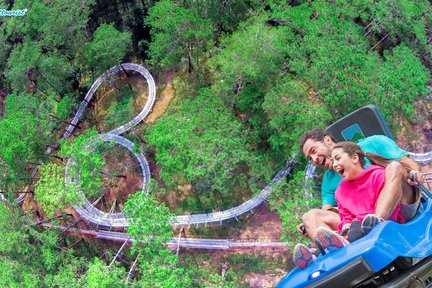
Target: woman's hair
{"x": 352, "y": 148}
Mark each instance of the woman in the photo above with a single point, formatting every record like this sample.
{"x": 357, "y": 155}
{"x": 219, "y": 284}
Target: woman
{"x": 358, "y": 192}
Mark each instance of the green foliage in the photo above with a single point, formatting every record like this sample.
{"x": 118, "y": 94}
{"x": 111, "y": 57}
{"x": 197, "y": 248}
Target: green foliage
{"x": 26, "y": 129}
{"x": 332, "y": 55}
{"x": 225, "y": 16}
{"x": 279, "y": 68}
{"x": 399, "y": 80}
{"x": 31, "y": 258}
{"x": 85, "y": 163}
{"x": 55, "y": 24}
{"x": 247, "y": 263}
{"x": 291, "y": 200}
{"x": 291, "y": 109}
{"x": 404, "y": 20}
{"x": 250, "y": 60}
{"x": 65, "y": 107}
{"x": 51, "y": 190}
{"x": 253, "y": 53}
{"x": 122, "y": 110}
{"x": 46, "y": 43}
{"x": 200, "y": 143}
{"x": 108, "y": 48}
{"x": 161, "y": 276}
{"x": 148, "y": 219}
{"x": 179, "y": 35}
{"x": 100, "y": 275}
{"x": 68, "y": 275}
{"x": 206, "y": 274}
{"x": 22, "y": 58}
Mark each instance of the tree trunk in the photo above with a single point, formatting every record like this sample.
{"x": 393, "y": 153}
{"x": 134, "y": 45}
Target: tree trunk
{"x": 121, "y": 248}
{"x": 127, "y": 78}
{"x": 190, "y": 68}
{"x": 52, "y": 86}
{"x": 57, "y": 118}
{"x": 132, "y": 268}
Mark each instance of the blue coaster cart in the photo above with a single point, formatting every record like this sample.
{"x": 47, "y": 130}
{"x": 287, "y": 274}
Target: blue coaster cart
{"x": 392, "y": 254}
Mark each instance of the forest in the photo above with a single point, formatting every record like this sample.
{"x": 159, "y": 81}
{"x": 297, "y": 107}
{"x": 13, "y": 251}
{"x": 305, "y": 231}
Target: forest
{"x": 243, "y": 79}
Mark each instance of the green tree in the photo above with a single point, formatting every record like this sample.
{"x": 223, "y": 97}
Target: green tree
{"x": 54, "y": 190}
{"x": 70, "y": 274}
{"x": 26, "y": 130}
{"x": 23, "y": 58}
{"x": 398, "y": 82}
{"x": 211, "y": 275}
{"x": 202, "y": 143}
{"x": 46, "y": 47}
{"x": 227, "y": 15}
{"x": 107, "y": 48}
{"x": 4, "y": 53}
{"x": 248, "y": 64}
{"x": 30, "y": 256}
{"x": 404, "y": 21}
{"x": 51, "y": 190}
{"x": 56, "y": 28}
{"x": 339, "y": 64}
{"x": 101, "y": 275}
{"x": 156, "y": 275}
{"x": 291, "y": 109}
{"x": 179, "y": 35}
{"x": 248, "y": 61}
{"x": 122, "y": 110}
{"x": 149, "y": 222}
{"x": 291, "y": 200}
{"x": 85, "y": 164}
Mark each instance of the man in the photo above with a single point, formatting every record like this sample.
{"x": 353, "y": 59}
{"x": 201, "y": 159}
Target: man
{"x": 317, "y": 145}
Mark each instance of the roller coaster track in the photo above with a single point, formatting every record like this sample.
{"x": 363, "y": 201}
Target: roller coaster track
{"x": 194, "y": 243}
{"x": 118, "y": 220}
{"x": 421, "y": 158}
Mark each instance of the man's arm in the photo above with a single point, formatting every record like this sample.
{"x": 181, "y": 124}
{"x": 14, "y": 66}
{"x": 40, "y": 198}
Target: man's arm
{"x": 409, "y": 163}
{"x": 414, "y": 168}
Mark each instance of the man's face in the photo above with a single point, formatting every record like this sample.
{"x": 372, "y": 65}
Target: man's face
{"x": 319, "y": 152}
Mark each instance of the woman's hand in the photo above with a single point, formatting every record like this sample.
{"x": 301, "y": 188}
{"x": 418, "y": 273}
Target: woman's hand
{"x": 345, "y": 229}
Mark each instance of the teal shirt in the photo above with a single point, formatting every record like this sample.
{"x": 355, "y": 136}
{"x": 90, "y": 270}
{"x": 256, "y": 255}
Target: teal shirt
{"x": 377, "y": 144}
{"x": 330, "y": 182}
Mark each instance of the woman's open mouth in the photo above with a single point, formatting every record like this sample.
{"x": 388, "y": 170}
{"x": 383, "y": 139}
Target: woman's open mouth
{"x": 340, "y": 171}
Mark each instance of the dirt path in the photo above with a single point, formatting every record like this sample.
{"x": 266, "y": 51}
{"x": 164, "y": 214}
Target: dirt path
{"x": 162, "y": 102}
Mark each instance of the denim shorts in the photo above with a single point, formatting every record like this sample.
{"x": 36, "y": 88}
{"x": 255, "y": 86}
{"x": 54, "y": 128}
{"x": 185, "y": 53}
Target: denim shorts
{"x": 409, "y": 211}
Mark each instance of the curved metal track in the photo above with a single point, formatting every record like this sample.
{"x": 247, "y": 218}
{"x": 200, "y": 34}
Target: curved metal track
{"x": 118, "y": 220}
{"x": 193, "y": 243}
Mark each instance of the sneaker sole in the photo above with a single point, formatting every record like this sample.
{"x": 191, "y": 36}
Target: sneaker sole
{"x": 302, "y": 256}
{"x": 368, "y": 223}
{"x": 328, "y": 240}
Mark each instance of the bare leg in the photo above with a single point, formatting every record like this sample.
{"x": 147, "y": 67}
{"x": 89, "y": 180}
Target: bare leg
{"x": 395, "y": 190}
{"x": 316, "y": 218}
